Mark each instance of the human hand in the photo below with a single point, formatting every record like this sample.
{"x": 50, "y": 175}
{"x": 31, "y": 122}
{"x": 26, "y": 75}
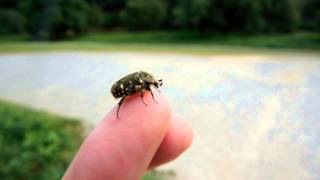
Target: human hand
{"x": 124, "y": 148}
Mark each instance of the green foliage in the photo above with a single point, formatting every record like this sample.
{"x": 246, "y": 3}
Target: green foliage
{"x": 113, "y": 19}
{"x": 191, "y": 13}
{"x": 110, "y": 5}
{"x": 11, "y": 4}
{"x": 96, "y": 17}
{"x": 280, "y": 16}
{"x": 75, "y": 18}
{"x": 112, "y": 11}
{"x": 42, "y": 23}
{"x": 12, "y": 22}
{"x": 35, "y": 144}
{"x": 58, "y": 19}
{"x": 244, "y": 16}
{"x": 145, "y": 14}
{"x": 311, "y": 15}
{"x": 241, "y": 16}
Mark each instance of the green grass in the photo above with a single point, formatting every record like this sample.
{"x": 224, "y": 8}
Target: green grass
{"x": 36, "y": 144}
{"x": 176, "y": 42}
{"x": 159, "y": 175}
{"x": 150, "y": 176}
{"x": 96, "y": 46}
{"x": 297, "y": 40}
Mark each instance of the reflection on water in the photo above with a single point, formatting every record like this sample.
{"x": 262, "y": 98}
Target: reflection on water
{"x": 254, "y": 117}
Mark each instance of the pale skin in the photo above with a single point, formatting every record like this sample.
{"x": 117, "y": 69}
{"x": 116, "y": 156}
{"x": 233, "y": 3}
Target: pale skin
{"x": 124, "y": 148}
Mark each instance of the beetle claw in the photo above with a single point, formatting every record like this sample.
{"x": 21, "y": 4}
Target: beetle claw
{"x": 142, "y": 99}
{"x": 153, "y": 97}
{"x": 119, "y": 104}
{"x": 158, "y": 90}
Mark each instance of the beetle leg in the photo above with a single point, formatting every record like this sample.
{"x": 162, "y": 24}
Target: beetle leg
{"x": 153, "y": 97}
{"x": 157, "y": 89}
{"x": 142, "y": 99}
{"x": 149, "y": 89}
{"x": 119, "y": 104}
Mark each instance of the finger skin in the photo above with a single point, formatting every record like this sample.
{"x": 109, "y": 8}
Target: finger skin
{"x": 122, "y": 148}
{"x": 177, "y": 139}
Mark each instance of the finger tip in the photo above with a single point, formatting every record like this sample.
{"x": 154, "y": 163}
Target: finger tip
{"x": 178, "y": 139}
{"x": 186, "y": 132}
{"x": 125, "y": 143}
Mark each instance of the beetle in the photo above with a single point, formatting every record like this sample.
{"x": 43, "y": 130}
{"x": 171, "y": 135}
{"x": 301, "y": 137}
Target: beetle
{"x": 134, "y": 83}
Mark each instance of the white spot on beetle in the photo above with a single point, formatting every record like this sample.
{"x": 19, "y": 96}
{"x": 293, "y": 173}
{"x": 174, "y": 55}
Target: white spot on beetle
{"x": 137, "y": 87}
{"x": 121, "y": 86}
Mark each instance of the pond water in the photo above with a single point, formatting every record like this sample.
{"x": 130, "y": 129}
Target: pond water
{"x": 253, "y": 116}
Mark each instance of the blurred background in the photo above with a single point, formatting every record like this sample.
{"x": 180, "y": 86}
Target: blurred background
{"x": 245, "y": 74}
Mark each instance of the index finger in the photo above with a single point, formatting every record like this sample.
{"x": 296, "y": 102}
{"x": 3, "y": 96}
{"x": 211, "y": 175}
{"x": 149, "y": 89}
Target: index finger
{"x": 122, "y": 148}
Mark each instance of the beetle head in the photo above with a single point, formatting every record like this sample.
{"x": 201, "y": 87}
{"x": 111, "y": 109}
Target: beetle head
{"x": 158, "y": 83}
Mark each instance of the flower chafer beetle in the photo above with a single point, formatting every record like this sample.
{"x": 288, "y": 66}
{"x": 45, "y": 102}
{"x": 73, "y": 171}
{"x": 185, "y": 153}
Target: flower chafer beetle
{"x": 132, "y": 84}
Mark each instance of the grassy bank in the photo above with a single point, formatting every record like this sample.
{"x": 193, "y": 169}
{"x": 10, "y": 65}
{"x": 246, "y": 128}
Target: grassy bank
{"x": 177, "y": 42}
{"x": 38, "y": 145}
{"x": 286, "y": 41}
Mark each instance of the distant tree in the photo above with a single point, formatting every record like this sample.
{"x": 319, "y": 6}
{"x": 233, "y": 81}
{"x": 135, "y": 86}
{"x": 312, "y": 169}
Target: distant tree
{"x": 311, "y": 15}
{"x": 112, "y": 11}
{"x": 169, "y": 20}
{"x": 54, "y": 19}
{"x": 110, "y": 5}
{"x": 191, "y": 14}
{"x": 280, "y": 16}
{"x": 12, "y": 22}
{"x": 144, "y": 14}
{"x": 43, "y": 17}
{"x": 75, "y": 18}
{"x": 242, "y": 16}
{"x": 9, "y": 4}
{"x": 219, "y": 15}
{"x": 96, "y": 17}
